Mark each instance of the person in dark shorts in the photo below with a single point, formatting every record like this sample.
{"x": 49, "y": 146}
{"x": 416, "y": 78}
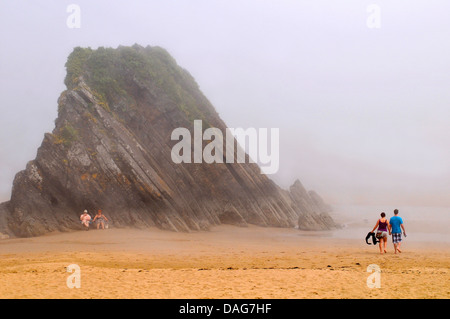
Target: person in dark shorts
{"x": 100, "y": 219}
{"x": 382, "y": 232}
{"x": 395, "y": 228}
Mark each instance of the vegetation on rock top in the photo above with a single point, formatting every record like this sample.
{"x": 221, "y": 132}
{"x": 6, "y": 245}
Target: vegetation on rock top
{"x": 111, "y": 73}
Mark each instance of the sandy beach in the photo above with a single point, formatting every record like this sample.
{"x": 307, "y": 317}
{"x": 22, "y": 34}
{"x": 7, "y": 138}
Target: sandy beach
{"x": 226, "y": 262}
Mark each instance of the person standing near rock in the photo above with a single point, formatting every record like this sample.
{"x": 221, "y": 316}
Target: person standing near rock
{"x": 85, "y": 219}
{"x": 100, "y": 218}
{"x": 395, "y": 228}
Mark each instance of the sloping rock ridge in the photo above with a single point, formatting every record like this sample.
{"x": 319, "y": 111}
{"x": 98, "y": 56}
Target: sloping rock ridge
{"x": 111, "y": 150}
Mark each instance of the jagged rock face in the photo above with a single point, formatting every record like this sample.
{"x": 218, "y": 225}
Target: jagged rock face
{"x": 314, "y": 211}
{"x": 319, "y": 202}
{"x": 111, "y": 150}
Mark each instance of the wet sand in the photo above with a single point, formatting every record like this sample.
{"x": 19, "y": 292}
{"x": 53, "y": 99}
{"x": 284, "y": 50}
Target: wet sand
{"x": 226, "y": 262}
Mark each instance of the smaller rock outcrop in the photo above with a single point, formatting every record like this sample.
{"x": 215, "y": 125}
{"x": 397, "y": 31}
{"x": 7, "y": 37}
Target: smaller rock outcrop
{"x": 3, "y": 214}
{"x": 314, "y": 210}
{"x": 319, "y": 202}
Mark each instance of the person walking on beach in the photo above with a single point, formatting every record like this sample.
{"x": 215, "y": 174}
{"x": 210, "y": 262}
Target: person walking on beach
{"x": 395, "y": 228}
{"x": 100, "y": 218}
{"x": 85, "y": 219}
{"x": 382, "y": 232}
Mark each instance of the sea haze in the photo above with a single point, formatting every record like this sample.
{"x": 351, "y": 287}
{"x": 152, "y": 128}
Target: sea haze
{"x": 422, "y": 224}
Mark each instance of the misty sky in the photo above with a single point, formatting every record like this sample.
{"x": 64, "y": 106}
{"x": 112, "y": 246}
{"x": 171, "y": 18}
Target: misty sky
{"x": 363, "y": 112}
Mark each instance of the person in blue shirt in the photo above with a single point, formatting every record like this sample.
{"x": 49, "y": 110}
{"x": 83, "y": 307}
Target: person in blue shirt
{"x": 395, "y": 228}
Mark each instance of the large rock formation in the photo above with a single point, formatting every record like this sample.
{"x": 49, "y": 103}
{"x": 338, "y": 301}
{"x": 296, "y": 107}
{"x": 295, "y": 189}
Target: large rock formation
{"x": 111, "y": 149}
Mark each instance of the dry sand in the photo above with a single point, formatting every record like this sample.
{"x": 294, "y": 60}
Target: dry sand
{"x": 226, "y": 262}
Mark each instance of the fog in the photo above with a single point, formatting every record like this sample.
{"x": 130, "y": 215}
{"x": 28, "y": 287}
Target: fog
{"x": 363, "y": 112}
